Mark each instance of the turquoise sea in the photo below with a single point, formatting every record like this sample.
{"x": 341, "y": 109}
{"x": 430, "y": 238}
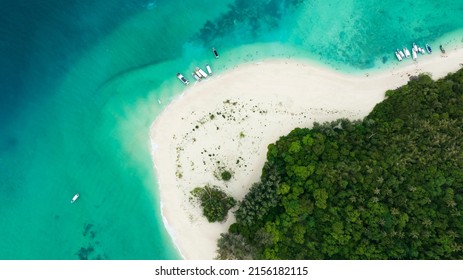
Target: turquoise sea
{"x": 80, "y": 83}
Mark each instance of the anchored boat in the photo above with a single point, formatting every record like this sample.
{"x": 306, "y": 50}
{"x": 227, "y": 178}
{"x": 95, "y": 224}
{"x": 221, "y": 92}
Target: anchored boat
{"x": 442, "y": 49}
{"x": 75, "y": 197}
{"x": 407, "y": 53}
{"x": 196, "y": 76}
{"x": 401, "y": 53}
{"x": 215, "y": 53}
{"x": 399, "y": 58}
{"x": 200, "y": 72}
{"x": 428, "y": 48}
{"x": 414, "y": 55}
{"x": 182, "y": 79}
{"x": 208, "y": 68}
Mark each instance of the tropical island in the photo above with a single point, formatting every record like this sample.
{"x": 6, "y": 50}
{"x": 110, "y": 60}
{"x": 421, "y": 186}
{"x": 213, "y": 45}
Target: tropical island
{"x": 360, "y": 174}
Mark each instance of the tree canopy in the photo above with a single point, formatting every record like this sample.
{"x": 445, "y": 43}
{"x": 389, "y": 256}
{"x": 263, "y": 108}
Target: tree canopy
{"x": 387, "y": 187}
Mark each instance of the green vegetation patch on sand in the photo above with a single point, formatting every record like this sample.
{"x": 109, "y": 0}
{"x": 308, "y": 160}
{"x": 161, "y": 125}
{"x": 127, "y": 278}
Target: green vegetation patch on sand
{"x": 214, "y": 202}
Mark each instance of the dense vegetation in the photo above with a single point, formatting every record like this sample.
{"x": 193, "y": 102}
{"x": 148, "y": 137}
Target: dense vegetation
{"x": 387, "y": 187}
{"x": 214, "y": 202}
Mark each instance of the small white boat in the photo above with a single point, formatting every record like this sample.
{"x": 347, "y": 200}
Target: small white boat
{"x": 200, "y": 72}
{"x": 415, "y": 47}
{"x": 75, "y": 197}
{"x": 407, "y": 53}
{"x": 196, "y": 76}
{"x": 421, "y": 50}
{"x": 401, "y": 53}
{"x": 215, "y": 53}
{"x": 196, "y": 71}
{"x": 208, "y": 68}
{"x": 428, "y": 48}
{"x": 399, "y": 58}
{"x": 414, "y": 56}
{"x": 182, "y": 79}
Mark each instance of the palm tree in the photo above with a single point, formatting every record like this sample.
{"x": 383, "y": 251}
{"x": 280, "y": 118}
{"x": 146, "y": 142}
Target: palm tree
{"x": 427, "y": 222}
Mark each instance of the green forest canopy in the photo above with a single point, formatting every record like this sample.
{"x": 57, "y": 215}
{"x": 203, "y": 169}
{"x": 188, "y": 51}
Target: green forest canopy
{"x": 387, "y": 187}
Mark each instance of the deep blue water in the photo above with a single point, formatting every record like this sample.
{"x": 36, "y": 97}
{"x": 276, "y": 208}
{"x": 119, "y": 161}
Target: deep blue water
{"x": 40, "y": 41}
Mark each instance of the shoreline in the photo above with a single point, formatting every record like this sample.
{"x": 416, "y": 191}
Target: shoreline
{"x": 188, "y": 145}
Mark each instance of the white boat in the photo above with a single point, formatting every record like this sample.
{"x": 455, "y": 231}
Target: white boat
{"x": 415, "y": 47}
{"x": 196, "y": 71}
{"x": 407, "y": 52}
{"x": 421, "y": 50}
{"x": 401, "y": 53}
{"x": 196, "y": 76}
{"x": 182, "y": 79}
{"x": 208, "y": 68}
{"x": 75, "y": 197}
{"x": 414, "y": 56}
{"x": 398, "y": 56}
{"x": 428, "y": 48}
{"x": 200, "y": 72}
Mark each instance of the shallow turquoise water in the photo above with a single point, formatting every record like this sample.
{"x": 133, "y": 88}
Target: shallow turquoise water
{"x": 82, "y": 85}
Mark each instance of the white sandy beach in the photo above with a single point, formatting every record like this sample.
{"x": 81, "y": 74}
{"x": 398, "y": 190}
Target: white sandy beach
{"x": 229, "y": 120}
